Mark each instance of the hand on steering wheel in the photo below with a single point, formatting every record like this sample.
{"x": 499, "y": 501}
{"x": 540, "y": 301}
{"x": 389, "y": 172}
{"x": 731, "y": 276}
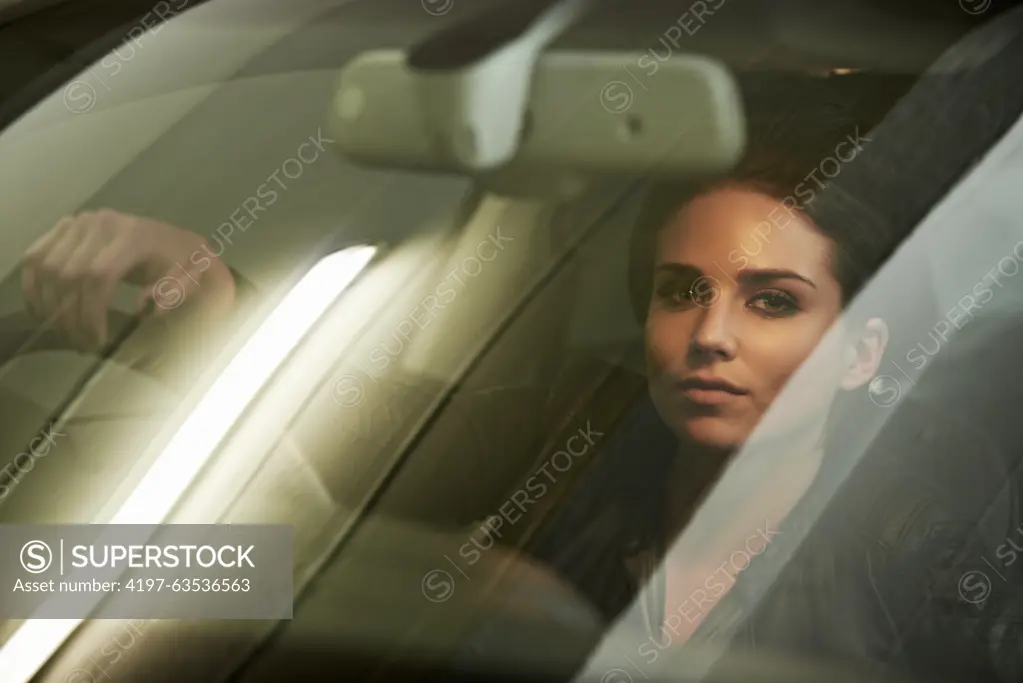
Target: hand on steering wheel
{"x": 70, "y": 273}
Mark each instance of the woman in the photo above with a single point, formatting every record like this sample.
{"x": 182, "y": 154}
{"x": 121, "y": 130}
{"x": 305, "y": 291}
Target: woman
{"x": 737, "y": 286}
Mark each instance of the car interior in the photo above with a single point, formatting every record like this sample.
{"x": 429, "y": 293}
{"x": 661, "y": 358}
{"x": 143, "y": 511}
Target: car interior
{"x": 397, "y": 484}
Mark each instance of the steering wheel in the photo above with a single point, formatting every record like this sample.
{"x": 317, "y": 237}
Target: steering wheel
{"x": 21, "y": 334}
{"x": 26, "y": 415}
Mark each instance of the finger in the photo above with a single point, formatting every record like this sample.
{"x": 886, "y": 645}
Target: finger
{"x": 110, "y": 254}
{"x": 146, "y": 294}
{"x": 68, "y": 282}
{"x": 80, "y": 281}
{"x": 32, "y": 263}
{"x": 29, "y": 287}
{"x": 50, "y": 286}
{"x": 109, "y": 266}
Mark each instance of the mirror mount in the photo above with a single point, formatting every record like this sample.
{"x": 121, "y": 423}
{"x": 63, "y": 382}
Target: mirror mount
{"x": 473, "y": 80}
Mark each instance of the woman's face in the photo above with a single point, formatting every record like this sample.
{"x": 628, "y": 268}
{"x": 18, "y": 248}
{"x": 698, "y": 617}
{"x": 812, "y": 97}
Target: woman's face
{"x": 736, "y": 308}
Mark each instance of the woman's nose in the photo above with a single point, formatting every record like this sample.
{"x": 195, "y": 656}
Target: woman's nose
{"x": 714, "y": 334}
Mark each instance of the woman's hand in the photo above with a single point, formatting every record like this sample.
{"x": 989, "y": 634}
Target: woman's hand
{"x": 70, "y": 273}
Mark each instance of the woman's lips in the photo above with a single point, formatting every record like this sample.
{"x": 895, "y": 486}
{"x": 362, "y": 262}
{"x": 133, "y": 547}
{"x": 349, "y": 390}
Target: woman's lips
{"x": 710, "y": 391}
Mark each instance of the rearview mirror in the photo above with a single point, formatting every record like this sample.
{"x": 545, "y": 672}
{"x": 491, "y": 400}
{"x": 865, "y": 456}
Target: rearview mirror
{"x": 587, "y": 115}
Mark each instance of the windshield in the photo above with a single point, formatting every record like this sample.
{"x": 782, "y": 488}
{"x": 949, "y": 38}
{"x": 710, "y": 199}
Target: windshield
{"x": 642, "y": 396}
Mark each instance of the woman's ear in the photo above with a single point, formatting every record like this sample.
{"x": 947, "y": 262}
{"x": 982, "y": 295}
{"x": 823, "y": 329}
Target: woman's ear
{"x": 864, "y": 354}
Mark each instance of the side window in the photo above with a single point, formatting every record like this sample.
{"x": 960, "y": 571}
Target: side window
{"x": 975, "y": 239}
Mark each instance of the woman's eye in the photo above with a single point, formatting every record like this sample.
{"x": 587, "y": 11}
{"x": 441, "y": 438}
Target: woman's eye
{"x": 688, "y": 293}
{"x": 675, "y": 294}
{"x": 774, "y": 303}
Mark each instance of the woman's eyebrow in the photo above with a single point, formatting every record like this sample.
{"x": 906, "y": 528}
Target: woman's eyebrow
{"x": 678, "y": 269}
{"x": 767, "y": 275}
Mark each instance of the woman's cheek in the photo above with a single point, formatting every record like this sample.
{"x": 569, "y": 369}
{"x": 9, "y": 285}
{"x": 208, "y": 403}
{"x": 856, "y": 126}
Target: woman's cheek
{"x": 666, "y": 343}
{"x": 776, "y": 358}
{"x": 781, "y": 357}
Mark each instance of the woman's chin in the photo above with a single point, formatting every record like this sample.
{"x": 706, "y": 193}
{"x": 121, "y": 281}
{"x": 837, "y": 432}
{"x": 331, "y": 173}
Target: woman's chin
{"x": 712, "y": 432}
